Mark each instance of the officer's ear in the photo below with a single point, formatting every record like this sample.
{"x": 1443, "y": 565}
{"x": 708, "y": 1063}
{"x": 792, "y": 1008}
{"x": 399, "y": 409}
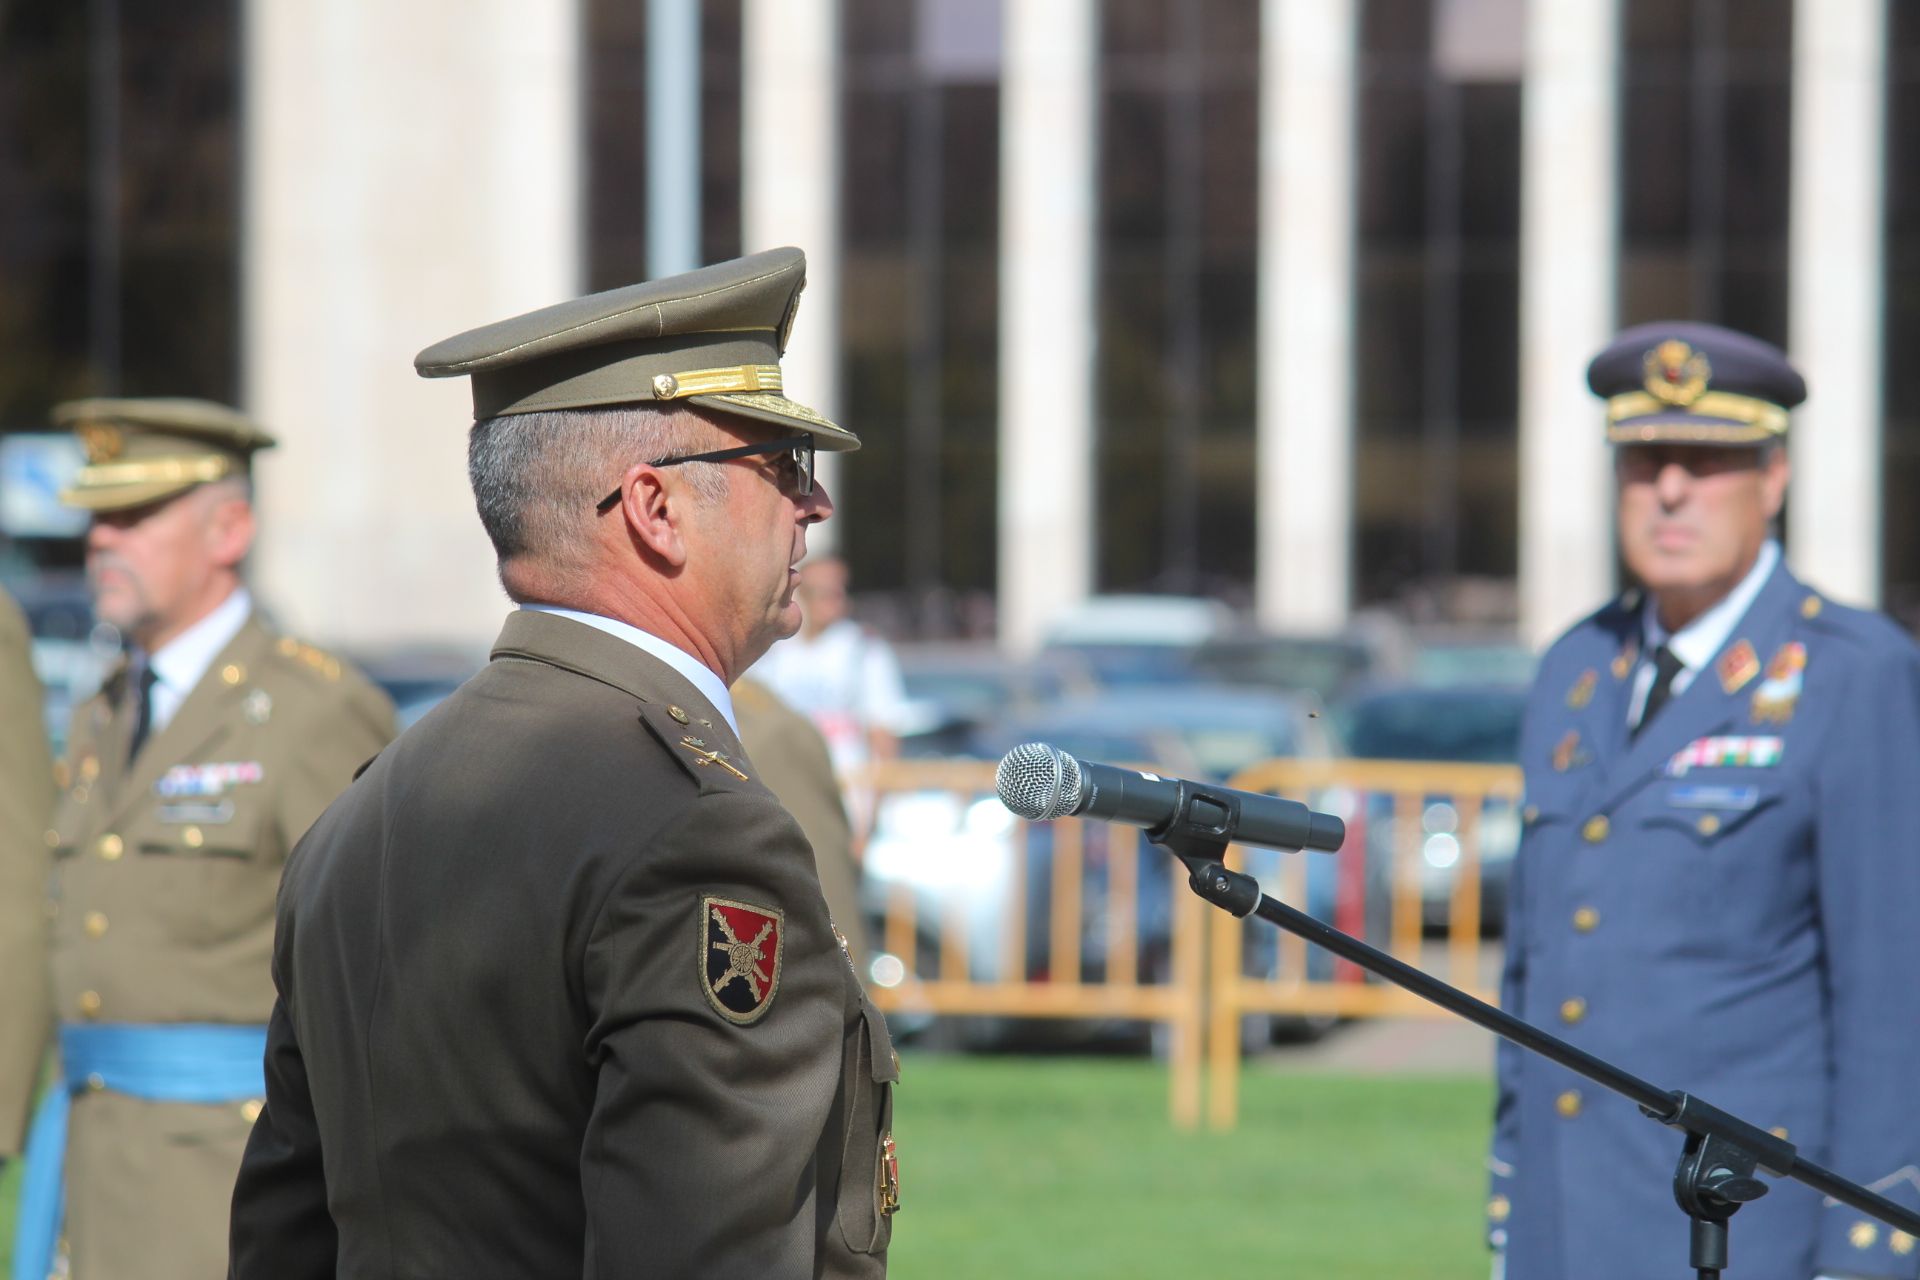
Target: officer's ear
{"x": 1774, "y": 474}
{"x": 228, "y": 523}
{"x": 655, "y": 508}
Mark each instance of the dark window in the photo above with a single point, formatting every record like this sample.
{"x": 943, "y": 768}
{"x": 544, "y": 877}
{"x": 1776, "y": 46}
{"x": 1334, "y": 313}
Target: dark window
{"x": 616, "y": 126}
{"x": 1705, "y": 118}
{"x": 920, "y": 199}
{"x": 119, "y": 200}
{"x": 1178, "y": 222}
{"x": 1437, "y": 333}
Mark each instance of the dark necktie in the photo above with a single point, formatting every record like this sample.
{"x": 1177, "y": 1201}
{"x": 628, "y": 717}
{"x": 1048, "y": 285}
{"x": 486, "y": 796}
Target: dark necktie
{"x": 1665, "y": 667}
{"x": 143, "y": 712}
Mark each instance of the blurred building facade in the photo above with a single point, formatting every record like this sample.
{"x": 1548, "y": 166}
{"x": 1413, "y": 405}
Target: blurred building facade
{"x": 1285, "y": 302}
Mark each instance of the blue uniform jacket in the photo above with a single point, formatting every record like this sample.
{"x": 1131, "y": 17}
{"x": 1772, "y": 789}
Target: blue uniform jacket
{"x": 1729, "y": 905}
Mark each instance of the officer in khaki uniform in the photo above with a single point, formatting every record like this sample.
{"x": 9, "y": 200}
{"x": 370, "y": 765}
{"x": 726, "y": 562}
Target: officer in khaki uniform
{"x": 558, "y": 990}
{"x": 798, "y": 769}
{"x": 189, "y": 777}
{"x": 26, "y": 802}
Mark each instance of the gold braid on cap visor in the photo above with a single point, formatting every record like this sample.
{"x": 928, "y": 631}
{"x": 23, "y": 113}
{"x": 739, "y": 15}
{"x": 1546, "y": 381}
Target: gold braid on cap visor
{"x": 198, "y": 470}
{"x": 706, "y": 382}
{"x": 1743, "y": 419}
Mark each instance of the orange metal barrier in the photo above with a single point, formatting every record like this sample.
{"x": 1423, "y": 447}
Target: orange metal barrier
{"x": 984, "y": 915}
{"x": 1419, "y": 835}
{"x": 1106, "y": 944}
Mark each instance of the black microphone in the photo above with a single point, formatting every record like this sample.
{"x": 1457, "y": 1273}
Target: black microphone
{"x": 1039, "y": 782}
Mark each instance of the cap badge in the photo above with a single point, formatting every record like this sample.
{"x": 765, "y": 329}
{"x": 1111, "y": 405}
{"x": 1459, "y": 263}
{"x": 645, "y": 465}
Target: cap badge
{"x": 102, "y": 440}
{"x": 664, "y": 385}
{"x": 740, "y": 957}
{"x": 1676, "y": 374}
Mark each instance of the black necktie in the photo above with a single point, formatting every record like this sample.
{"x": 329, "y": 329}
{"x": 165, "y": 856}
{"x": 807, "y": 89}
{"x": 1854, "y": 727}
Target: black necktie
{"x": 143, "y": 713}
{"x": 1665, "y": 667}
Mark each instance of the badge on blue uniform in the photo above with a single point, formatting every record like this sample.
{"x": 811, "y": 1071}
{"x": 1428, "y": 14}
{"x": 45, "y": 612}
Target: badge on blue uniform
{"x": 1774, "y": 700}
{"x": 1720, "y": 753}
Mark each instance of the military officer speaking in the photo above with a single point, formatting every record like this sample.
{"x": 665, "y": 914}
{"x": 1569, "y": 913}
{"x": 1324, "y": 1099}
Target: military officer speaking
{"x": 558, "y": 991}
{"x": 1718, "y": 881}
{"x": 187, "y": 780}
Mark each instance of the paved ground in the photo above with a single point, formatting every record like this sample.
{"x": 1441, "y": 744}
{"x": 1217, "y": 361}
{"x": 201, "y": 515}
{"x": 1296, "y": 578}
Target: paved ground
{"x": 1441, "y": 1044}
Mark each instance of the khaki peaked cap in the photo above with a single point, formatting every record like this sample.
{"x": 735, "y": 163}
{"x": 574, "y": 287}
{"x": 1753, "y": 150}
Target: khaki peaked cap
{"x": 711, "y": 337}
{"x": 144, "y": 450}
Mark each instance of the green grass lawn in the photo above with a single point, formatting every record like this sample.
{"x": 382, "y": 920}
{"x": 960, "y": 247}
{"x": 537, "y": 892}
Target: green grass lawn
{"x": 1064, "y": 1167}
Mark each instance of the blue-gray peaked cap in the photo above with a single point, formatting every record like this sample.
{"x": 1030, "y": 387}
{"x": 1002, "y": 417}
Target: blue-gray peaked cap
{"x": 1683, "y": 382}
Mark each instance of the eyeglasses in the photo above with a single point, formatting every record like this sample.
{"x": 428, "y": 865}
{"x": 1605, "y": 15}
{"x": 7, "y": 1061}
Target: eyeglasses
{"x": 796, "y": 468}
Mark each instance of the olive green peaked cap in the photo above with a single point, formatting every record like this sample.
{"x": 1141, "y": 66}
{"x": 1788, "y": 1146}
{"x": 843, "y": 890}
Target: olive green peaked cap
{"x": 140, "y": 451}
{"x": 711, "y": 337}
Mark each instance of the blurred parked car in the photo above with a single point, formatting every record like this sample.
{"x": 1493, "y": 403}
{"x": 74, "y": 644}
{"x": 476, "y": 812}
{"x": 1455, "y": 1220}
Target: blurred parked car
{"x": 1128, "y": 640}
{"x": 955, "y": 690}
{"x": 1469, "y": 724}
{"x": 956, "y": 854}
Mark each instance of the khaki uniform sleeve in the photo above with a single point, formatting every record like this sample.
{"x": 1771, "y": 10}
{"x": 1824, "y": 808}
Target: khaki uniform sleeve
{"x": 353, "y": 725}
{"x": 26, "y": 807}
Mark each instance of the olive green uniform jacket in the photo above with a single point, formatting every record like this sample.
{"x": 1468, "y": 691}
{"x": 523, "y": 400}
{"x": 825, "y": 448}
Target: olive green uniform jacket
{"x": 559, "y": 997}
{"x": 164, "y": 875}
{"x": 26, "y": 802}
{"x": 797, "y": 768}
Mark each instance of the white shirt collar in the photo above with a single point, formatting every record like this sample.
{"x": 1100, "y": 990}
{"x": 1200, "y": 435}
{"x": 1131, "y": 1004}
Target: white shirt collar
{"x": 1696, "y": 643}
{"x": 698, "y": 673}
{"x": 179, "y": 664}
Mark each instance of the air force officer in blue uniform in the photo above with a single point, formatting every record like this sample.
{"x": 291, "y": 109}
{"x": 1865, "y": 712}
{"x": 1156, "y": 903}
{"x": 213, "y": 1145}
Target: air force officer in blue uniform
{"x": 1719, "y": 884}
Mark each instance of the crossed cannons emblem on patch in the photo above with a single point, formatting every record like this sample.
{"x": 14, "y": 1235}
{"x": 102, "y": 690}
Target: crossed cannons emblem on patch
{"x": 740, "y": 957}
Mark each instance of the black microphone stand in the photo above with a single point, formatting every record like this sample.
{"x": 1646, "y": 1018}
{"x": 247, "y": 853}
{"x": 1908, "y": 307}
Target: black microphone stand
{"x": 1716, "y": 1171}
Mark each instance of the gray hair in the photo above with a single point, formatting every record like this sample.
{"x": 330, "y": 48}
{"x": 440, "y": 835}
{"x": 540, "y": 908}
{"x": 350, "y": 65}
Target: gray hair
{"x": 537, "y": 476}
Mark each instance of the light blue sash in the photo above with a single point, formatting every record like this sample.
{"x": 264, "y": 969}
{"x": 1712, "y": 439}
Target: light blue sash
{"x": 179, "y": 1063}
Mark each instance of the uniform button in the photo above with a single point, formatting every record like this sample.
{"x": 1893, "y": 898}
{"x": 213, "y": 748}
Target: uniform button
{"x": 1596, "y": 829}
{"x": 95, "y": 924}
{"x": 679, "y": 715}
{"x": 1499, "y": 1208}
{"x": 1568, "y": 1103}
{"x": 96, "y": 1082}
{"x": 1901, "y": 1243}
{"x": 89, "y": 1003}
{"x": 250, "y": 1110}
{"x": 289, "y": 647}
{"x": 233, "y": 673}
{"x": 192, "y": 837}
{"x": 52, "y": 838}
{"x": 1530, "y": 814}
{"x": 112, "y": 846}
{"x": 1779, "y": 1131}
{"x": 80, "y": 794}
{"x": 1861, "y": 1235}
{"x": 1810, "y": 608}
{"x": 90, "y": 768}
{"x": 1585, "y": 919}
{"x": 1709, "y": 824}
{"x": 1571, "y": 1011}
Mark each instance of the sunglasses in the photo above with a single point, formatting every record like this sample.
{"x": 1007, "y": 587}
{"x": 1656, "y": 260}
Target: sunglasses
{"x": 796, "y": 467}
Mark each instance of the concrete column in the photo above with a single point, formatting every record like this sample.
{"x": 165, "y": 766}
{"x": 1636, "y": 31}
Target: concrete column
{"x": 1047, "y": 200}
{"x": 1569, "y": 245}
{"x": 410, "y": 171}
{"x": 790, "y": 185}
{"x": 1304, "y": 569}
{"x": 674, "y": 131}
{"x": 1835, "y": 250}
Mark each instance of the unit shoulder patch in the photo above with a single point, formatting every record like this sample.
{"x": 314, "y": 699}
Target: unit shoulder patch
{"x": 740, "y": 950}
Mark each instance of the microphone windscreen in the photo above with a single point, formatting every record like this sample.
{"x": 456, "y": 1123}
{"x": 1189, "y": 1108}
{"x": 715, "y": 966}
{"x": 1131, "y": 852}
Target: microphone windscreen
{"x": 1038, "y": 782}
